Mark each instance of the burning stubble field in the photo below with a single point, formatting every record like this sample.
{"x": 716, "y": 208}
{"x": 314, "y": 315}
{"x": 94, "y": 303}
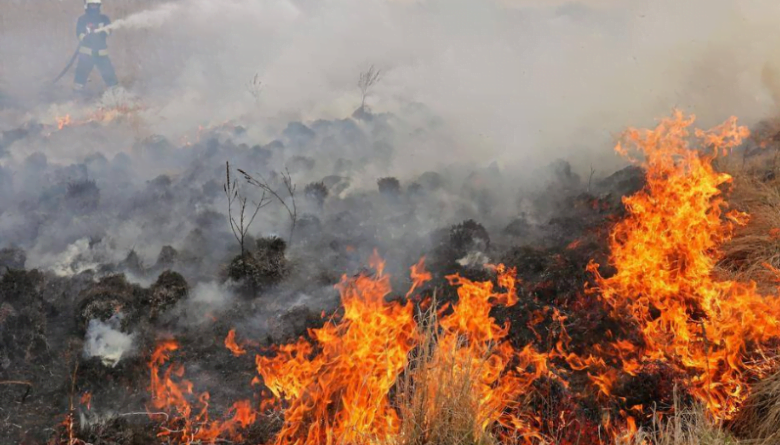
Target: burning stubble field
{"x": 195, "y": 259}
{"x": 641, "y": 309}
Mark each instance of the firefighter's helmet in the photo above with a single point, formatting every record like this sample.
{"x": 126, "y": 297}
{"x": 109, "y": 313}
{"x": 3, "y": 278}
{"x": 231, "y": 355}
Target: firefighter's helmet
{"x": 92, "y": 2}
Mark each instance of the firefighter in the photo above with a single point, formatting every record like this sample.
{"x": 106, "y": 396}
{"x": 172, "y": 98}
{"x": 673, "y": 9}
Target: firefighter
{"x": 93, "y": 50}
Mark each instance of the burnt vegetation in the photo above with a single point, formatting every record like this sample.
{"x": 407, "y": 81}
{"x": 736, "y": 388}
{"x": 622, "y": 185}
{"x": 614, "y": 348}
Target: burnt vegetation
{"x": 82, "y": 322}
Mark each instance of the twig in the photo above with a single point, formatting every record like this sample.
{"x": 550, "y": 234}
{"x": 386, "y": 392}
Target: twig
{"x": 72, "y": 440}
{"x": 16, "y": 382}
{"x": 145, "y": 414}
{"x": 29, "y": 386}
{"x": 365, "y": 82}
{"x": 240, "y": 228}
{"x": 590, "y": 178}
{"x": 288, "y": 184}
{"x": 255, "y": 86}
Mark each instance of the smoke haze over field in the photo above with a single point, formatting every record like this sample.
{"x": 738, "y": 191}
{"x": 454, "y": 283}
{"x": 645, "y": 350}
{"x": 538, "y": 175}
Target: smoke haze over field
{"x": 518, "y": 80}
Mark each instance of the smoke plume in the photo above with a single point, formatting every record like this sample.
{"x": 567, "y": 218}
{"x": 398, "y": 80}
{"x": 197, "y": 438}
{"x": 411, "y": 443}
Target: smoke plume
{"x": 106, "y": 341}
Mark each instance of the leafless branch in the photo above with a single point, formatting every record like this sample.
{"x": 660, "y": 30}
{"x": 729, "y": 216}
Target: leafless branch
{"x": 255, "y": 86}
{"x": 366, "y": 80}
{"x": 590, "y": 178}
{"x": 240, "y": 228}
{"x": 145, "y": 413}
{"x": 291, "y": 208}
{"x": 16, "y": 382}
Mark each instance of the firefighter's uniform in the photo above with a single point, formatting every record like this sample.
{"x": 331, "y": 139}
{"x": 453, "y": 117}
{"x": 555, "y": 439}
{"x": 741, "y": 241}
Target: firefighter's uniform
{"x": 93, "y": 51}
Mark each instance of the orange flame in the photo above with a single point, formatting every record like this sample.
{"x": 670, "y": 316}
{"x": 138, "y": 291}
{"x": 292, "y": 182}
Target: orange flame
{"x": 86, "y": 400}
{"x": 341, "y": 393}
{"x": 63, "y": 121}
{"x": 230, "y": 343}
{"x": 574, "y": 244}
{"x": 338, "y": 384}
{"x": 184, "y": 425}
{"x": 665, "y": 253}
{"x": 419, "y": 276}
{"x": 99, "y": 115}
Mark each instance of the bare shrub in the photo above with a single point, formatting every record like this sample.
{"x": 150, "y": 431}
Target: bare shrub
{"x": 240, "y": 226}
{"x": 366, "y": 80}
{"x": 316, "y": 192}
{"x": 292, "y": 209}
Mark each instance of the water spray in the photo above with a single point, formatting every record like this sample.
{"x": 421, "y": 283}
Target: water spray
{"x": 150, "y": 18}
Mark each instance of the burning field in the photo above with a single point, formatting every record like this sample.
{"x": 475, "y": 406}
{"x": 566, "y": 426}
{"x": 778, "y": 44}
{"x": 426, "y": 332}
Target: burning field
{"x": 187, "y": 262}
{"x": 625, "y": 317}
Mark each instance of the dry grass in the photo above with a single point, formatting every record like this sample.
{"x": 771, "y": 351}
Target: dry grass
{"x": 437, "y": 405}
{"x": 437, "y": 398}
{"x": 688, "y": 426}
{"x": 760, "y": 417}
{"x": 755, "y": 248}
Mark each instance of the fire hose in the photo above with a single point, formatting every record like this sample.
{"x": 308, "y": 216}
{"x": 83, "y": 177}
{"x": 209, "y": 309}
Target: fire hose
{"x": 70, "y": 64}
{"x": 76, "y": 54}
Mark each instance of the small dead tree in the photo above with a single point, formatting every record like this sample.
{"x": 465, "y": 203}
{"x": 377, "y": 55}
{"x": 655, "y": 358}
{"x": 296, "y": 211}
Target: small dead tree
{"x": 255, "y": 86}
{"x": 590, "y": 178}
{"x": 292, "y": 209}
{"x": 367, "y": 79}
{"x": 240, "y": 227}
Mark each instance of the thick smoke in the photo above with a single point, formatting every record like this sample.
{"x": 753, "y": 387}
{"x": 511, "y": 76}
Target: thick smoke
{"x": 106, "y": 341}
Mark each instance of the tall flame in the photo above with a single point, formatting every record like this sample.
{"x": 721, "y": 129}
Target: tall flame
{"x": 340, "y": 394}
{"x": 665, "y": 252}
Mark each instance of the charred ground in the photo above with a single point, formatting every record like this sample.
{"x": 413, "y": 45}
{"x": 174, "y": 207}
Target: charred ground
{"x": 45, "y": 317}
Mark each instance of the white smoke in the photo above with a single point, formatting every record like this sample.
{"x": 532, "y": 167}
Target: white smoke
{"x": 205, "y": 303}
{"x": 150, "y": 18}
{"x": 105, "y": 340}
{"x": 519, "y": 84}
{"x": 76, "y": 258}
{"x": 474, "y": 258}
{"x": 515, "y": 80}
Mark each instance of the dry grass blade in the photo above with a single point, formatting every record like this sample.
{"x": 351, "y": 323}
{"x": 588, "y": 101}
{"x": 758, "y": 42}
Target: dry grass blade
{"x": 436, "y": 398}
{"x": 685, "y": 427}
{"x": 759, "y": 419}
{"x": 16, "y": 382}
{"x": 754, "y": 251}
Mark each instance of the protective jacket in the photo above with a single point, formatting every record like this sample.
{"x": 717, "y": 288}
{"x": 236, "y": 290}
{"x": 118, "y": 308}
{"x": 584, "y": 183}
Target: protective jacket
{"x": 93, "y": 43}
{"x": 93, "y": 50}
